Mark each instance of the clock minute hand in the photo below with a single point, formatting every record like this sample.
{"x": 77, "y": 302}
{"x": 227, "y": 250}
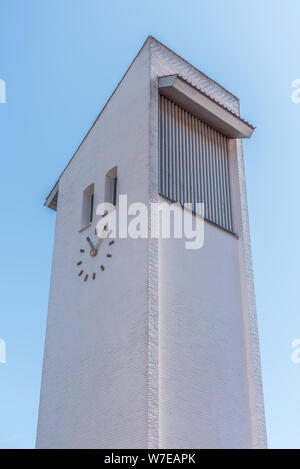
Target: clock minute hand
{"x": 101, "y": 239}
{"x": 98, "y": 243}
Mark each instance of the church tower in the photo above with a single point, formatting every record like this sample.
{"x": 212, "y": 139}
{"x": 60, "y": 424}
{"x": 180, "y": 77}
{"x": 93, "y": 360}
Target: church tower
{"x": 149, "y": 344}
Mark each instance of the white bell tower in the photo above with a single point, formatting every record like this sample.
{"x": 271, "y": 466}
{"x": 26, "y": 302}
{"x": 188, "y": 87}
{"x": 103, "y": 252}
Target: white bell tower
{"x": 148, "y": 344}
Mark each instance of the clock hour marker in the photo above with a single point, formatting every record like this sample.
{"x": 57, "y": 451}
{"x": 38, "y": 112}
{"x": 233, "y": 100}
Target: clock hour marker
{"x": 81, "y": 250}
{"x": 80, "y": 273}
{"x": 108, "y": 255}
{"x": 112, "y": 242}
{"x": 86, "y": 277}
{"x": 94, "y": 276}
{"x": 79, "y": 262}
{"x": 102, "y": 267}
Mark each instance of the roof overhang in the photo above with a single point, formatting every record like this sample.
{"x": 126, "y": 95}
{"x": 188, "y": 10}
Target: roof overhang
{"x": 202, "y": 106}
{"x": 51, "y": 200}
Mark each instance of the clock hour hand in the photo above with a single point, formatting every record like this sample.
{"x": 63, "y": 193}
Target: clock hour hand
{"x": 93, "y": 250}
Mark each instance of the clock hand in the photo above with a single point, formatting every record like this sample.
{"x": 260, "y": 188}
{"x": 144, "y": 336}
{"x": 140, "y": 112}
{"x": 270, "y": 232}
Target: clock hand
{"x": 93, "y": 251}
{"x": 101, "y": 239}
{"x": 90, "y": 243}
{"x": 98, "y": 244}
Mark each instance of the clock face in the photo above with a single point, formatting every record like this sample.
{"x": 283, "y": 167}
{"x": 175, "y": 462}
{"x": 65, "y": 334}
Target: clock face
{"x": 93, "y": 255}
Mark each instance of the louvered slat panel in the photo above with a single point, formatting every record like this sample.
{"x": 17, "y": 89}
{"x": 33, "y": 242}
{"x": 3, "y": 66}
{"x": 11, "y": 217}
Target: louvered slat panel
{"x": 193, "y": 163}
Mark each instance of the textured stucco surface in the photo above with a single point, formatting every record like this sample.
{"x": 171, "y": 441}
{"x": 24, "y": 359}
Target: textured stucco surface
{"x": 204, "y": 316}
{"x": 203, "y": 382}
{"x": 94, "y": 386}
{"x": 249, "y": 309}
{"x": 161, "y": 350}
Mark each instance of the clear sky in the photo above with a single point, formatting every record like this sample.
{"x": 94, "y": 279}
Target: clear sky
{"x": 61, "y": 60}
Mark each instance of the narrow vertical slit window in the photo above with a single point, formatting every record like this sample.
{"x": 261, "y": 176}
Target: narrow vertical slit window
{"x": 91, "y": 207}
{"x": 87, "y": 210}
{"x": 111, "y": 186}
{"x": 115, "y": 191}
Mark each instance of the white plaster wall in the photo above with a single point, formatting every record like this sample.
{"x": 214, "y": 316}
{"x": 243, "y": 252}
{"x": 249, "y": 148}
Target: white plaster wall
{"x": 193, "y": 410}
{"x": 94, "y": 386}
{"x": 209, "y": 383}
{"x": 203, "y": 372}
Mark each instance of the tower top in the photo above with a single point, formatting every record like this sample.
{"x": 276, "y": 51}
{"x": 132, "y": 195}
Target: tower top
{"x": 189, "y": 87}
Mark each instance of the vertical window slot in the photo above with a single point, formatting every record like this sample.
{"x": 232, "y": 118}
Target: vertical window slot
{"x": 87, "y": 211}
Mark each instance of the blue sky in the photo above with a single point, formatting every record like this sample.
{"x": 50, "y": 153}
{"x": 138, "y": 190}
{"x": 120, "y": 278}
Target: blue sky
{"x": 61, "y": 60}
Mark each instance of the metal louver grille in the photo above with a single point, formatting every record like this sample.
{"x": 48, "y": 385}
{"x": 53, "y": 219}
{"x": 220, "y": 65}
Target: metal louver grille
{"x": 193, "y": 163}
